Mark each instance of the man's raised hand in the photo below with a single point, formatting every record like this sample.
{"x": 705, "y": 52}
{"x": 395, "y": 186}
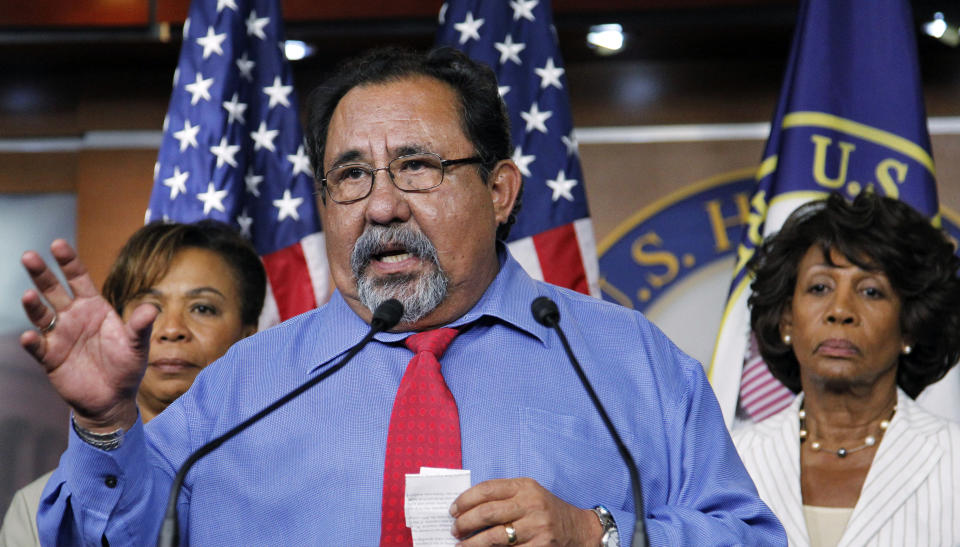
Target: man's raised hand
{"x": 93, "y": 359}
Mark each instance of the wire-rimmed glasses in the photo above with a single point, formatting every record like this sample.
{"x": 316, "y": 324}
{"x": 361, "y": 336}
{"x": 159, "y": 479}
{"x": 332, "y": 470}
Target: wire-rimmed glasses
{"x": 353, "y": 182}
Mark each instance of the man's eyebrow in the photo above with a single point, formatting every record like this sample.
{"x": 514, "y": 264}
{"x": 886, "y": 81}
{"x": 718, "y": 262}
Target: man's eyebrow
{"x": 408, "y": 149}
{"x": 354, "y": 156}
{"x": 350, "y": 156}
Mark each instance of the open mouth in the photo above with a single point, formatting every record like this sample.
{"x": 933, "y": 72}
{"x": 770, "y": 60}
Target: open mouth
{"x": 392, "y": 257}
{"x": 390, "y": 251}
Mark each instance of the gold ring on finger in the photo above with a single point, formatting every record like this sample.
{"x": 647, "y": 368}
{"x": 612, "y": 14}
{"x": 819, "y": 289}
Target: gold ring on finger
{"x": 511, "y": 533}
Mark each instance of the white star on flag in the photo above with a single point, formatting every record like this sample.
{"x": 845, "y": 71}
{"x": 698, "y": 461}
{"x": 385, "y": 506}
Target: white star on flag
{"x": 523, "y": 162}
{"x": 549, "y": 75}
{"x": 177, "y": 183}
{"x": 263, "y": 137}
{"x": 536, "y": 119}
{"x": 469, "y": 28}
{"x": 211, "y": 42}
{"x": 287, "y": 206}
{"x": 226, "y": 4}
{"x": 245, "y": 221}
{"x": 252, "y": 181}
{"x": 442, "y": 19}
{"x": 199, "y": 89}
{"x": 523, "y": 8}
{"x": 570, "y": 142}
{"x": 212, "y": 199}
{"x": 186, "y": 28}
{"x": 509, "y": 51}
{"x": 278, "y": 93}
{"x": 301, "y": 162}
{"x": 255, "y": 25}
{"x": 235, "y": 109}
{"x": 561, "y": 186}
{"x": 503, "y": 90}
{"x": 187, "y": 136}
{"x": 246, "y": 67}
{"x": 146, "y": 217}
{"x": 225, "y": 152}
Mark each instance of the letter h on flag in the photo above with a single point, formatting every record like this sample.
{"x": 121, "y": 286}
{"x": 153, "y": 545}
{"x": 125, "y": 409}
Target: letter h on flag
{"x": 553, "y": 236}
{"x": 233, "y": 149}
{"x": 850, "y": 118}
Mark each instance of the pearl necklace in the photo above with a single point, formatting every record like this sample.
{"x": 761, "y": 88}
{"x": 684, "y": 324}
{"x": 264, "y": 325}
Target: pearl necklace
{"x": 841, "y": 452}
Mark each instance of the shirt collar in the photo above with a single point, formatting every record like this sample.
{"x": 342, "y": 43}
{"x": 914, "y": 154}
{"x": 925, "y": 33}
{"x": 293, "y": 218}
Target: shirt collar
{"x": 507, "y": 299}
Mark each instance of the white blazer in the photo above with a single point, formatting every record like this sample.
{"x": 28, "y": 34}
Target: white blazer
{"x": 911, "y": 495}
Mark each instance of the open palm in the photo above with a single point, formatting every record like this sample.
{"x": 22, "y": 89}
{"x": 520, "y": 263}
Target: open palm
{"x": 93, "y": 359}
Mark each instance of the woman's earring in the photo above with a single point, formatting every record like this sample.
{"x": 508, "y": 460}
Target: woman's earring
{"x": 787, "y": 339}
{"x": 907, "y": 349}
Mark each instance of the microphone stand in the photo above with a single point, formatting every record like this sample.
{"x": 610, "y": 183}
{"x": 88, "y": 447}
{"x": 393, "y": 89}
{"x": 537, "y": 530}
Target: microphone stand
{"x": 546, "y": 313}
{"x": 385, "y": 317}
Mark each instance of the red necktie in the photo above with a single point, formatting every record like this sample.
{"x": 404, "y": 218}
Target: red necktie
{"x": 424, "y": 429}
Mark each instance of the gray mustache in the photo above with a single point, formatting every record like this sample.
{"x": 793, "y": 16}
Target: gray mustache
{"x": 377, "y": 239}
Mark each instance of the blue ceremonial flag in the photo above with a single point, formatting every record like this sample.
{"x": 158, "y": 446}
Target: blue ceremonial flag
{"x": 553, "y": 238}
{"x": 850, "y": 118}
{"x": 233, "y": 149}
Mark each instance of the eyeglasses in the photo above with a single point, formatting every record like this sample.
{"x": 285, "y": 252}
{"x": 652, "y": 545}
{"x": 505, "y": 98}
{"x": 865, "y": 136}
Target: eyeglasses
{"x": 352, "y": 182}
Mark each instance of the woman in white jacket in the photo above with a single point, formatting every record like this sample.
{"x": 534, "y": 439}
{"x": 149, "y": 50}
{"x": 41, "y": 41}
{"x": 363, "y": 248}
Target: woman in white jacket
{"x": 857, "y": 308}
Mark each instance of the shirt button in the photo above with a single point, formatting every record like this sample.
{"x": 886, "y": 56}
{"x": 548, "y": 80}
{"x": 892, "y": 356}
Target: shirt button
{"x": 110, "y": 481}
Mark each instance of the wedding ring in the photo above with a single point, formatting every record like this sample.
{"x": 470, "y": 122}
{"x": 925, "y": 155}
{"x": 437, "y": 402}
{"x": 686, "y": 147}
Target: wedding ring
{"x": 48, "y": 328}
{"x": 511, "y": 533}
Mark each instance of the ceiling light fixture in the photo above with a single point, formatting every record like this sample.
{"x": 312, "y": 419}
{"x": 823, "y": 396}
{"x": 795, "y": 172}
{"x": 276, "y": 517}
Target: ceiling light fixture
{"x": 296, "y": 50}
{"x": 606, "y": 39}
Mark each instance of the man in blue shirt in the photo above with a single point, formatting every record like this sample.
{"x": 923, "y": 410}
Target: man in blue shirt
{"x": 417, "y": 189}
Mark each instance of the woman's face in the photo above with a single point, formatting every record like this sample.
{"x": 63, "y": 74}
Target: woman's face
{"x": 844, "y": 322}
{"x": 200, "y": 318}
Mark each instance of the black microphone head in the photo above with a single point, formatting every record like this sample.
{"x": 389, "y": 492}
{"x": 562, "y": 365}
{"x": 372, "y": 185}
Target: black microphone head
{"x": 545, "y": 311}
{"x": 387, "y": 314}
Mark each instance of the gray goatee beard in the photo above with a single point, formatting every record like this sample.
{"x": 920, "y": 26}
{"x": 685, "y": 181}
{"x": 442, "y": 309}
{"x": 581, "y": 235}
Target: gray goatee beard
{"x": 420, "y": 293}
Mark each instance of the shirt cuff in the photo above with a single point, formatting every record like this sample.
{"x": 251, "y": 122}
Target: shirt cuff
{"x": 99, "y": 479}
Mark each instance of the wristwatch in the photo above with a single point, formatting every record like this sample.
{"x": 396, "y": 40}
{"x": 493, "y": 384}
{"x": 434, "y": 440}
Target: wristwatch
{"x": 610, "y": 537}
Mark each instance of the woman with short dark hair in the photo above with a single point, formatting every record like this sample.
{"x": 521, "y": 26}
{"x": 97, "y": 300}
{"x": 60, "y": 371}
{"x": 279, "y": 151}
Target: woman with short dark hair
{"x": 856, "y": 306}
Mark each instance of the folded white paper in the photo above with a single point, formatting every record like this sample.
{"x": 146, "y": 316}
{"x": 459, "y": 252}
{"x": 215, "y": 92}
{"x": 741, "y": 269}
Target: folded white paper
{"x": 427, "y": 504}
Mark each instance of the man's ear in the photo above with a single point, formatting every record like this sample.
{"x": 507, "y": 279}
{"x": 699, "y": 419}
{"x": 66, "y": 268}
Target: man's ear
{"x": 504, "y": 182}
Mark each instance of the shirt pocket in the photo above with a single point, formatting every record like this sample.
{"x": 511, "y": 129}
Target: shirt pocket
{"x": 574, "y": 457}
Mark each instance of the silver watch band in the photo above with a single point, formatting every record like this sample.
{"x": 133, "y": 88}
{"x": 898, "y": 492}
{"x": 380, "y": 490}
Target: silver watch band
{"x": 103, "y": 441}
{"x": 611, "y": 536}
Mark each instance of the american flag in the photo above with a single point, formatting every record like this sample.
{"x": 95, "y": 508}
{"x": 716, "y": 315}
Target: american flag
{"x": 553, "y": 237}
{"x": 233, "y": 149}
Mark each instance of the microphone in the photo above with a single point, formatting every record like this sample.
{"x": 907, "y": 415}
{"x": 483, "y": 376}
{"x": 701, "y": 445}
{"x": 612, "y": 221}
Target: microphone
{"x": 385, "y": 317}
{"x": 546, "y": 313}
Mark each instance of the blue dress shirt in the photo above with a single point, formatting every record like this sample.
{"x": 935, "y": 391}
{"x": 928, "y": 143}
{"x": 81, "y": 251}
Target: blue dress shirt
{"x": 311, "y": 473}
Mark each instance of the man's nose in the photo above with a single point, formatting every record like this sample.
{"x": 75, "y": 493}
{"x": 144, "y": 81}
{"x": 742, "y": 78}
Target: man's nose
{"x": 386, "y": 203}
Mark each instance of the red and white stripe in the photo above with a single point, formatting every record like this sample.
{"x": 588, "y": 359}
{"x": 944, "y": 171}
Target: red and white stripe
{"x": 298, "y": 280}
{"x": 564, "y": 256}
{"x": 761, "y": 395}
